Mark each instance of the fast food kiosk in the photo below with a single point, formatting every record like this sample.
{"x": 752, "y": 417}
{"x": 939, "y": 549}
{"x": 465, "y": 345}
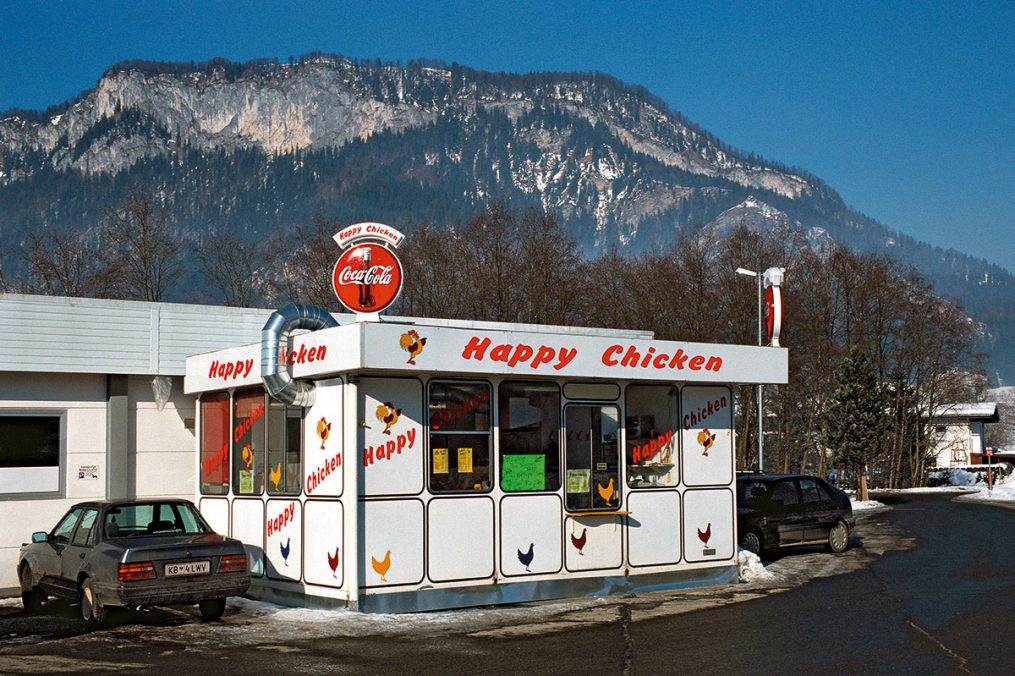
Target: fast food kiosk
{"x": 434, "y": 464}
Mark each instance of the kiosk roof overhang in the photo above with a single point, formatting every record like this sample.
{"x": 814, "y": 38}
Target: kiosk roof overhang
{"x": 421, "y": 347}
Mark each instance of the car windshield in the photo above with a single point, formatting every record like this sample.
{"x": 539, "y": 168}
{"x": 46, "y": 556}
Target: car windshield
{"x": 154, "y": 518}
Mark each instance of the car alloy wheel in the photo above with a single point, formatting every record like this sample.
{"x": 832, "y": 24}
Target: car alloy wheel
{"x": 838, "y": 537}
{"x": 91, "y": 608}
{"x": 751, "y": 542}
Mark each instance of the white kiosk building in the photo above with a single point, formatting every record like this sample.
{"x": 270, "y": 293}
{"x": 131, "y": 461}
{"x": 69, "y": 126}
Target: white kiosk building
{"x": 424, "y": 464}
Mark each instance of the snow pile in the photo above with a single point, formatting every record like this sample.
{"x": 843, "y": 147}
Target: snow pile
{"x": 751, "y": 568}
{"x": 956, "y": 477}
{"x": 864, "y": 505}
{"x": 1003, "y": 491}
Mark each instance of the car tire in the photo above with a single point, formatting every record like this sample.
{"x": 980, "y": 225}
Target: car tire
{"x": 92, "y": 610}
{"x": 838, "y": 537}
{"x": 31, "y": 596}
{"x": 751, "y": 541}
{"x": 212, "y": 609}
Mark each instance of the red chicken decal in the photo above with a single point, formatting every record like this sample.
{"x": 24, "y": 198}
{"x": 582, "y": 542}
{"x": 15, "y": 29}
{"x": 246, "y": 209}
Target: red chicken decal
{"x": 705, "y": 535}
{"x": 579, "y": 542}
{"x": 333, "y": 563}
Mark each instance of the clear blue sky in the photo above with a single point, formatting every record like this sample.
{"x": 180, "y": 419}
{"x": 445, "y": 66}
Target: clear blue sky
{"x": 906, "y": 108}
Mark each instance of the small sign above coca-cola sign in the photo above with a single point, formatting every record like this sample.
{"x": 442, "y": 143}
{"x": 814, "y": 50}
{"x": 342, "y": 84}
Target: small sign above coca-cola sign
{"x": 367, "y": 277}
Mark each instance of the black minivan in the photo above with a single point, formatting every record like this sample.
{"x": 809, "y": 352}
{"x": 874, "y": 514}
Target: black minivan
{"x": 791, "y": 509}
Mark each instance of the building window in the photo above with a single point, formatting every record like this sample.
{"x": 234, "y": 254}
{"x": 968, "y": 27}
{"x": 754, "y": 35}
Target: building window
{"x": 248, "y": 442}
{"x": 592, "y": 457}
{"x": 285, "y": 448}
{"x": 215, "y": 443}
{"x": 30, "y": 453}
{"x": 459, "y": 415}
{"x": 529, "y": 432}
{"x": 652, "y": 434}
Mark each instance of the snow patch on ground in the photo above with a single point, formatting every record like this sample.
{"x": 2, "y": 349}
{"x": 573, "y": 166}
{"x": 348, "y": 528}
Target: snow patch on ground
{"x": 865, "y": 505}
{"x": 751, "y": 568}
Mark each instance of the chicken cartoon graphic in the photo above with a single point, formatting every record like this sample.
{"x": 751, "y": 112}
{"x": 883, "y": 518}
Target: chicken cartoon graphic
{"x": 579, "y": 542}
{"x": 606, "y": 493}
{"x": 248, "y": 455}
{"x": 323, "y": 430}
{"x": 381, "y": 567}
{"x": 388, "y": 415}
{"x": 705, "y": 536}
{"x": 276, "y": 475}
{"x": 333, "y": 563}
{"x": 285, "y": 549}
{"x": 526, "y": 558}
{"x": 706, "y": 440}
{"x": 413, "y": 344}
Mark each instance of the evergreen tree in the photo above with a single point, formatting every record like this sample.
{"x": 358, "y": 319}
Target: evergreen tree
{"x": 856, "y": 421}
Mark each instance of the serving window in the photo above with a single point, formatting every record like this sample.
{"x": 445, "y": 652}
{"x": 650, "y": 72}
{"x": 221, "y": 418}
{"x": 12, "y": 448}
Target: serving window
{"x": 285, "y": 448}
{"x": 529, "y": 433}
{"x": 248, "y": 442}
{"x": 592, "y": 457}
{"x": 652, "y": 436}
{"x": 214, "y": 471}
{"x": 460, "y": 437}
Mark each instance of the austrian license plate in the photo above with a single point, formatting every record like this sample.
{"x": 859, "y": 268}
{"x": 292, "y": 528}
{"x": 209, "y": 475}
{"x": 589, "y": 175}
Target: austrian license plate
{"x": 188, "y": 568}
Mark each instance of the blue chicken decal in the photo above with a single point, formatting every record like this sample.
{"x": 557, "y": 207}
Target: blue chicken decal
{"x": 285, "y": 550}
{"x": 526, "y": 558}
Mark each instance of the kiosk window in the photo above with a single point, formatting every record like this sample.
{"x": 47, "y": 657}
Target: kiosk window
{"x": 248, "y": 442}
{"x": 529, "y": 433}
{"x": 652, "y": 435}
{"x": 215, "y": 443}
{"x": 459, "y": 415}
{"x": 285, "y": 450}
{"x": 592, "y": 481}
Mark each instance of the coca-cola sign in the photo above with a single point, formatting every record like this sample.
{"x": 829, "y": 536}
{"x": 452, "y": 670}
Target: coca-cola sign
{"x": 367, "y": 277}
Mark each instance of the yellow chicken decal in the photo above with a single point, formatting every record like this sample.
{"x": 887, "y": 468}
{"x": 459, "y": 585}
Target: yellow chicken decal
{"x": 276, "y": 475}
{"x": 706, "y": 440}
{"x": 388, "y": 415}
{"x": 323, "y": 430}
{"x": 606, "y": 493}
{"x": 413, "y": 344}
{"x": 248, "y": 455}
{"x": 381, "y": 567}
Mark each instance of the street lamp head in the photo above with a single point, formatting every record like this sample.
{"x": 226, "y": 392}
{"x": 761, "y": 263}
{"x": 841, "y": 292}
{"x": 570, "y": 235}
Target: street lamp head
{"x": 745, "y": 271}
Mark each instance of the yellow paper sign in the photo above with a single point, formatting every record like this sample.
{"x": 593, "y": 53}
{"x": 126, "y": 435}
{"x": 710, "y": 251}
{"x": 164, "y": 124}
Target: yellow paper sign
{"x": 440, "y": 461}
{"x": 465, "y": 461}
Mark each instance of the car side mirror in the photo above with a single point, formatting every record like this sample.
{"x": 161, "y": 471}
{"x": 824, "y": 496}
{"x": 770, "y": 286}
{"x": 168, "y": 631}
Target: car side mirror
{"x": 41, "y": 536}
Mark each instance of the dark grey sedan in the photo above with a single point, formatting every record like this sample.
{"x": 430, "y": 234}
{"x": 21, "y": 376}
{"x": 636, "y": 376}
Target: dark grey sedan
{"x": 133, "y": 553}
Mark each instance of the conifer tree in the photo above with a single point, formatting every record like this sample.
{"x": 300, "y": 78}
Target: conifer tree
{"x": 856, "y": 422}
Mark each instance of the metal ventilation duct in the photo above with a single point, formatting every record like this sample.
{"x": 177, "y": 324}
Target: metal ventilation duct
{"x": 276, "y": 330}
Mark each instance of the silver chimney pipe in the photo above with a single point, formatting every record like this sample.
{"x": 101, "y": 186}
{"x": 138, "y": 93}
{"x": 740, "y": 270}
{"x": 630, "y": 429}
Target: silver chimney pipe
{"x": 275, "y": 375}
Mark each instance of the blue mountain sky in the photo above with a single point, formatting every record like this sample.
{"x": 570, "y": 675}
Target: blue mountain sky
{"x": 906, "y": 108}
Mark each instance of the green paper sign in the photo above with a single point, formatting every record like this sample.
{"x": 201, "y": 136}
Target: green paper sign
{"x": 523, "y": 473}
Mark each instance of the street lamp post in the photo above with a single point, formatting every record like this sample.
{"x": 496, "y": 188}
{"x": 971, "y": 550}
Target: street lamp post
{"x": 761, "y": 436}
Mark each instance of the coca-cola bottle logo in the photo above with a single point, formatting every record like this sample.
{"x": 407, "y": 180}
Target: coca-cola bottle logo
{"x": 367, "y": 278}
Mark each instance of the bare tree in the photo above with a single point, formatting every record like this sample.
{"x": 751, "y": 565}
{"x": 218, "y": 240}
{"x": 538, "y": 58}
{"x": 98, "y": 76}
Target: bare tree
{"x": 239, "y": 270}
{"x": 64, "y": 263}
{"x": 141, "y": 248}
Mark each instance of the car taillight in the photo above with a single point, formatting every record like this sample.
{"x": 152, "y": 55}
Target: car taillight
{"x": 129, "y": 572}
{"x": 233, "y": 563}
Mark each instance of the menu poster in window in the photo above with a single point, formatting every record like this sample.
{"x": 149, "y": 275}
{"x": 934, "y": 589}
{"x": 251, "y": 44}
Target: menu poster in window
{"x": 706, "y": 423}
{"x": 465, "y": 460}
{"x": 246, "y": 481}
{"x": 578, "y": 480}
{"x": 440, "y": 461}
{"x": 523, "y": 472}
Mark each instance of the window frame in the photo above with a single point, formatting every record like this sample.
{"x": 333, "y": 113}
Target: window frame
{"x": 489, "y": 433}
{"x": 229, "y": 444}
{"x": 302, "y": 414}
{"x": 619, "y": 486}
{"x": 235, "y": 448}
{"x": 62, "y": 468}
{"x": 560, "y": 427}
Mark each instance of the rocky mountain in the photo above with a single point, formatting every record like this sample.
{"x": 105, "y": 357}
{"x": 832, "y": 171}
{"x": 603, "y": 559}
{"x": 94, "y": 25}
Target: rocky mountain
{"x": 262, "y": 144}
